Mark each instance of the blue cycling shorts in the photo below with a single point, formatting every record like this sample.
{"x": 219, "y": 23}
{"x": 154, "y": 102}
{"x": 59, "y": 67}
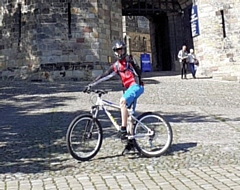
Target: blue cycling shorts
{"x": 132, "y": 93}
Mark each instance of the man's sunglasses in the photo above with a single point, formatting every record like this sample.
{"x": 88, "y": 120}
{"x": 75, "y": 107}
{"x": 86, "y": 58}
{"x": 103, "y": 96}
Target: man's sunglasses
{"x": 116, "y": 49}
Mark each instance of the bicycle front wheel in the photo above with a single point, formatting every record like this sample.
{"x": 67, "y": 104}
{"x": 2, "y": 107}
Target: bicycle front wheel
{"x": 156, "y": 141}
{"x": 84, "y": 137}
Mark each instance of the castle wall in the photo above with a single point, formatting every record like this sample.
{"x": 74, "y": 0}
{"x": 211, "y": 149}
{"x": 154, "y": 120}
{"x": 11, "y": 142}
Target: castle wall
{"x": 58, "y": 36}
{"x": 137, "y": 36}
{"x": 59, "y": 39}
{"x": 217, "y": 46}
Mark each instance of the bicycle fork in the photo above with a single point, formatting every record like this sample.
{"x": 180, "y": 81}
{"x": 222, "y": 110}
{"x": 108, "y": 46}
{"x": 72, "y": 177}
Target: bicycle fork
{"x": 90, "y": 124}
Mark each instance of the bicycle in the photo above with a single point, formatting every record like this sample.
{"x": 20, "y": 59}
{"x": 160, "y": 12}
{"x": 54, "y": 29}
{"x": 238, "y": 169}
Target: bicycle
{"x": 150, "y": 133}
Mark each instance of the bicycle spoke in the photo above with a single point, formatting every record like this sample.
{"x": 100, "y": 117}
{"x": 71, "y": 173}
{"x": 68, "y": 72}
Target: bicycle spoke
{"x": 84, "y": 138}
{"x": 157, "y": 137}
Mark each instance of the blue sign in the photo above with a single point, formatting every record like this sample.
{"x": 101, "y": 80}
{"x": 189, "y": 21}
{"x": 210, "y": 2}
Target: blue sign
{"x": 194, "y": 21}
{"x": 145, "y": 62}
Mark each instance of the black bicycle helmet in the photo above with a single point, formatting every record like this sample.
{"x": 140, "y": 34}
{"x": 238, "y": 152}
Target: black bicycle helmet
{"x": 119, "y": 45}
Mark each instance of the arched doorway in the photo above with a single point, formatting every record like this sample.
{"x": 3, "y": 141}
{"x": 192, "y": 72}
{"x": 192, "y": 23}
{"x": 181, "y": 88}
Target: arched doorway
{"x": 168, "y": 26}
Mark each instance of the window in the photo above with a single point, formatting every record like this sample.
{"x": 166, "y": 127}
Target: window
{"x": 69, "y": 21}
{"x": 223, "y": 24}
{"x": 19, "y": 24}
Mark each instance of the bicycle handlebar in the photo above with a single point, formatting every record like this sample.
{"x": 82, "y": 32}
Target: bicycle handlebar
{"x": 97, "y": 91}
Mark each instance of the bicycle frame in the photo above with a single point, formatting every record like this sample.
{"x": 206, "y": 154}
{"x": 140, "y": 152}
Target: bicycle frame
{"x": 102, "y": 104}
{"x": 85, "y": 133}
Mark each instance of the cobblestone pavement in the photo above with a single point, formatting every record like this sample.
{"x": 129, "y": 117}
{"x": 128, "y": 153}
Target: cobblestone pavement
{"x": 204, "y": 114}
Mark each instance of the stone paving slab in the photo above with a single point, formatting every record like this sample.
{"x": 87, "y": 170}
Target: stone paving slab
{"x": 213, "y": 177}
{"x": 204, "y": 115}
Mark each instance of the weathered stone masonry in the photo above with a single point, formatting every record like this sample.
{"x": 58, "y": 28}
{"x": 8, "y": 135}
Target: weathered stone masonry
{"x": 59, "y": 39}
{"x": 63, "y": 38}
{"x": 219, "y": 53}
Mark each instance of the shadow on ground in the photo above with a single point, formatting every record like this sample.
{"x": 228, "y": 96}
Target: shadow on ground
{"x": 174, "y": 148}
{"x": 159, "y": 74}
{"x": 181, "y": 147}
{"x": 35, "y": 143}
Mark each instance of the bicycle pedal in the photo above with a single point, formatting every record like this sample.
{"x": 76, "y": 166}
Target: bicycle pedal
{"x": 124, "y": 141}
{"x": 129, "y": 149}
{"x": 130, "y": 137}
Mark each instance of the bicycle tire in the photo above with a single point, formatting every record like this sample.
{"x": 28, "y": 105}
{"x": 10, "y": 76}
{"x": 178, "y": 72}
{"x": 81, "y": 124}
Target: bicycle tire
{"x": 141, "y": 144}
{"x": 82, "y": 133}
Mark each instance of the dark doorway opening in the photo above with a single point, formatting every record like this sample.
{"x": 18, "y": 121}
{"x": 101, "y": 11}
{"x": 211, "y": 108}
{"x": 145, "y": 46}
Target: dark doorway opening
{"x": 163, "y": 49}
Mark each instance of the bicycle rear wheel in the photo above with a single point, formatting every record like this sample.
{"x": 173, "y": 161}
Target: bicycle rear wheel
{"x": 161, "y": 138}
{"x": 84, "y": 137}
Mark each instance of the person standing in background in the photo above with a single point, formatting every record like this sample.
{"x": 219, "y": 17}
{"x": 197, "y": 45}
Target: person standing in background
{"x": 182, "y": 56}
{"x": 191, "y": 60}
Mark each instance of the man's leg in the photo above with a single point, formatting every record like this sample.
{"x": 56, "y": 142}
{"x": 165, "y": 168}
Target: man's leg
{"x": 185, "y": 70}
{"x": 191, "y": 65}
{"x": 124, "y": 115}
{"x": 181, "y": 67}
{"x": 194, "y": 70}
{"x": 129, "y": 96}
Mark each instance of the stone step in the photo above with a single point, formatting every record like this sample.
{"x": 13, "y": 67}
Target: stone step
{"x": 226, "y": 75}
{"x": 231, "y": 68}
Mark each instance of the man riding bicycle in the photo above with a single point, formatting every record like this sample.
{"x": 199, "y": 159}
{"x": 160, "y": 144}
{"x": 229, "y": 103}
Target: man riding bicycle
{"x": 130, "y": 75}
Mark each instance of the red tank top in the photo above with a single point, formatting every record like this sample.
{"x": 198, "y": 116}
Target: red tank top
{"x": 124, "y": 70}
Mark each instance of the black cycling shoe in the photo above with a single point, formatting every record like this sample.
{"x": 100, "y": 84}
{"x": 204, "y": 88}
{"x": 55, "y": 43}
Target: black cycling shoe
{"x": 123, "y": 135}
{"x": 129, "y": 148}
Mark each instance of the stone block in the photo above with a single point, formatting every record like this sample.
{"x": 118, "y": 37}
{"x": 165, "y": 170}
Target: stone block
{"x": 55, "y": 74}
{"x": 73, "y": 58}
{"x": 230, "y": 78}
{"x": 64, "y": 58}
{"x": 78, "y": 74}
{"x": 68, "y": 74}
{"x": 91, "y": 16}
{"x": 87, "y": 29}
{"x": 89, "y": 58}
{"x": 204, "y": 72}
{"x": 96, "y": 73}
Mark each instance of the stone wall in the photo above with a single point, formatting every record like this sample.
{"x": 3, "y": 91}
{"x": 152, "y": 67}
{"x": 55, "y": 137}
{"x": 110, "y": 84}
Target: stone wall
{"x": 137, "y": 36}
{"x": 217, "y": 51}
{"x": 58, "y": 37}
{"x": 110, "y": 24}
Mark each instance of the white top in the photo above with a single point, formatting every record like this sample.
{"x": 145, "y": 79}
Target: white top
{"x": 191, "y": 58}
{"x": 182, "y": 55}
